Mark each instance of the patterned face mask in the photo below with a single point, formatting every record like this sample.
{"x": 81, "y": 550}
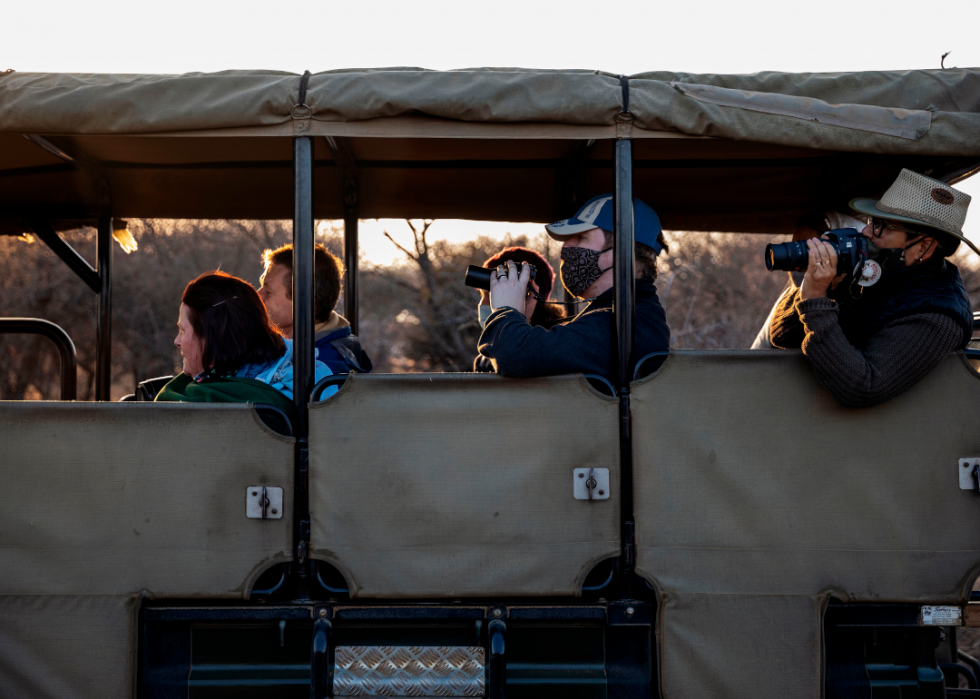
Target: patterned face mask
{"x": 580, "y": 269}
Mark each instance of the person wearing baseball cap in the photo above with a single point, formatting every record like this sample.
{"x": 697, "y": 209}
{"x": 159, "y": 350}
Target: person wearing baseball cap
{"x": 912, "y": 311}
{"x": 583, "y": 344}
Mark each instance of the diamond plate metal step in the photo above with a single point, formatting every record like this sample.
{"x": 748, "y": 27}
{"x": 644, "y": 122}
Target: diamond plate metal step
{"x": 409, "y": 671}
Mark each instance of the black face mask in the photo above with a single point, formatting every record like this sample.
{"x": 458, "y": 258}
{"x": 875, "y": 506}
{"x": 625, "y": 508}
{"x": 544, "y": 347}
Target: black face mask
{"x": 890, "y": 259}
{"x": 580, "y": 269}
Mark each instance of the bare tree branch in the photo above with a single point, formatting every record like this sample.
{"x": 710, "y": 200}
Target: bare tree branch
{"x": 399, "y": 246}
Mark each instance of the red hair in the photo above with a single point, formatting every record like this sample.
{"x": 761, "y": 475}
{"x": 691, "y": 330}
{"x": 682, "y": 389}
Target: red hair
{"x": 544, "y": 277}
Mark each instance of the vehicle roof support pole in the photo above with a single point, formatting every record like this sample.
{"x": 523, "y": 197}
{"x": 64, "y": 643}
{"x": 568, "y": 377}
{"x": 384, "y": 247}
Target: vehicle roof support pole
{"x": 350, "y": 262}
{"x": 49, "y": 236}
{"x": 343, "y": 155}
{"x": 303, "y": 357}
{"x": 103, "y": 334}
{"x": 624, "y": 312}
{"x": 103, "y": 285}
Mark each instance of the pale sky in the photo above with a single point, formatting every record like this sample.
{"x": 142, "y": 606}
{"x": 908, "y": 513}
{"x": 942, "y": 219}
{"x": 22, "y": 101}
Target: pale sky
{"x": 627, "y": 36}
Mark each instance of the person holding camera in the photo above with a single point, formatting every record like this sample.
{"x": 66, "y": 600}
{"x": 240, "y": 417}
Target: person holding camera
{"x": 583, "y": 344}
{"x": 872, "y": 332}
{"x": 812, "y": 225}
{"x": 542, "y": 313}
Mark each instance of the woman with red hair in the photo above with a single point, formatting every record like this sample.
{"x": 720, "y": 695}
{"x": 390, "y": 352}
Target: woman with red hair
{"x": 544, "y": 314}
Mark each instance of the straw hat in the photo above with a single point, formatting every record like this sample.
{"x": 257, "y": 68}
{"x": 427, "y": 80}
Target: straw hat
{"x": 921, "y": 200}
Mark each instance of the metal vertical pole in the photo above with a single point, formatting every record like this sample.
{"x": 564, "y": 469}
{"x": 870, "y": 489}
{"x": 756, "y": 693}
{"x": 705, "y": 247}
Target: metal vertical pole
{"x": 624, "y": 313}
{"x": 623, "y": 250}
{"x": 350, "y": 262}
{"x": 343, "y": 155}
{"x": 103, "y": 332}
{"x": 303, "y": 241}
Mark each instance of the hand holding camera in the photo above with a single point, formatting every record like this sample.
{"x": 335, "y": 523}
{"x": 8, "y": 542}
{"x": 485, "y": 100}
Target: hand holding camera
{"x": 826, "y": 261}
{"x": 850, "y": 250}
{"x": 821, "y": 271}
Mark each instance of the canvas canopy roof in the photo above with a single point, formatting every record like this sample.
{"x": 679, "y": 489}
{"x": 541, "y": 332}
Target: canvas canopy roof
{"x": 712, "y": 152}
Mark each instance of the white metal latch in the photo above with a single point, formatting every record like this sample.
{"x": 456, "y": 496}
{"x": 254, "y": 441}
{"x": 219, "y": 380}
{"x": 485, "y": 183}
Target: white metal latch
{"x": 590, "y": 483}
{"x": 969, "y": 472}
{"x": 263, "y": 502}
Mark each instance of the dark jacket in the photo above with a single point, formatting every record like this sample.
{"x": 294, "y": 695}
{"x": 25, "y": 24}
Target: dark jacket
{"x": 546, "y": 315}
{"x": 868, "y": 350}
{"x": 341, "y": 351}
{"x": 583, "y": 344}
{"x": 933, "y": 287}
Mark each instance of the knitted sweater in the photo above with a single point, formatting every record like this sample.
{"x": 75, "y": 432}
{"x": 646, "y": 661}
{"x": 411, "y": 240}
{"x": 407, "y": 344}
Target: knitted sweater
{"x": 896, "y": 358}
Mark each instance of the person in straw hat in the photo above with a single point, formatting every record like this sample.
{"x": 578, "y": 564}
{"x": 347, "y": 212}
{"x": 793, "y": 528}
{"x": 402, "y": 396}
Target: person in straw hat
{"x": 869, "y": 347}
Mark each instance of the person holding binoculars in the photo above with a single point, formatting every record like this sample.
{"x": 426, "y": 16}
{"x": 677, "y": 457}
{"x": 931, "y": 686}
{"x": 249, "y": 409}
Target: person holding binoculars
{"x": 582, "y": 344}
{"x": 545, "y": 314}
{"x": 878, "y": 310}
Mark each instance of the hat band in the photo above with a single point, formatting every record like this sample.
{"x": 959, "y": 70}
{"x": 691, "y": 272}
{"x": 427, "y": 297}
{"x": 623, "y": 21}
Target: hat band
{"x": 921, "y": 216}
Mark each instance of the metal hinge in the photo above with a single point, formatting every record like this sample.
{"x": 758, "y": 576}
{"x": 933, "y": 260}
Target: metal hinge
{"x": 262, "y": 502}
{"x": 590, "y": 483}
{"x": 970, "y": 474}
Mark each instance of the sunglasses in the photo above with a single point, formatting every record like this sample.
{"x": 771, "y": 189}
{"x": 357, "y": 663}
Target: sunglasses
{"x": 878, "y": 226}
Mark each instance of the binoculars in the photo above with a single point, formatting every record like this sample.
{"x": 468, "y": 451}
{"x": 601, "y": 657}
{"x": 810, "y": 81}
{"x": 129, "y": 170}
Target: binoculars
{"x": 479, "y": 277}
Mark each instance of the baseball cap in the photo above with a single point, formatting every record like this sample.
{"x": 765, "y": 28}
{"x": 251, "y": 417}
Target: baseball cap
{"x": 598, "y": 213}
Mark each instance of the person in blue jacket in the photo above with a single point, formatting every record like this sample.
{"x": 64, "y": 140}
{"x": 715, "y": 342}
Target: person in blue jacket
{"x": 336, "y": 345}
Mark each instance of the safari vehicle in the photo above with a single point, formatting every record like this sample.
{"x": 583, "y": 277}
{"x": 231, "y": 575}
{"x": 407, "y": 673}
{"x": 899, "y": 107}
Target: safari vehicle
{"x": 675, "y": 533}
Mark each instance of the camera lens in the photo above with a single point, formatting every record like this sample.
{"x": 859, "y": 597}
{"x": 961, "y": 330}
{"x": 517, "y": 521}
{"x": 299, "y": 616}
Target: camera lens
{"x": 851, "y": 248}
{"x": 788, "y": 257}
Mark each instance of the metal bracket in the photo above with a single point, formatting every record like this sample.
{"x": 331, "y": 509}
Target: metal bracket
{"x": 590, "y": 483}
{"x": 970, "y": 474}
{"x": 624, "y": 126}
{"x": 76, "y": 263}
{"x": 263, "y": 502}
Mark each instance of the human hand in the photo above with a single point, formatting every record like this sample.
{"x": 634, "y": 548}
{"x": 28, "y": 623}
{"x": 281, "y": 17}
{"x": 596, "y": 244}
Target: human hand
{"x": 821, "y": 270}
{"x": 508, "y": 286}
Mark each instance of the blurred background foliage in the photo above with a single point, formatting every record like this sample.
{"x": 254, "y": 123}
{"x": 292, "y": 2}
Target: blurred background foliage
{"x": 415, "y": 315}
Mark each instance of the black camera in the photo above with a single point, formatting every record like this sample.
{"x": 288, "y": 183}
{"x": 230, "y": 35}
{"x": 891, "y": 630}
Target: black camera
{"x": 479, "y": 277}
{"x": 851, "y": 247}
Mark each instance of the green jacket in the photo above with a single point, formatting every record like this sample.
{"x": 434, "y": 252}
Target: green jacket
{"x": 229, "y": 389}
